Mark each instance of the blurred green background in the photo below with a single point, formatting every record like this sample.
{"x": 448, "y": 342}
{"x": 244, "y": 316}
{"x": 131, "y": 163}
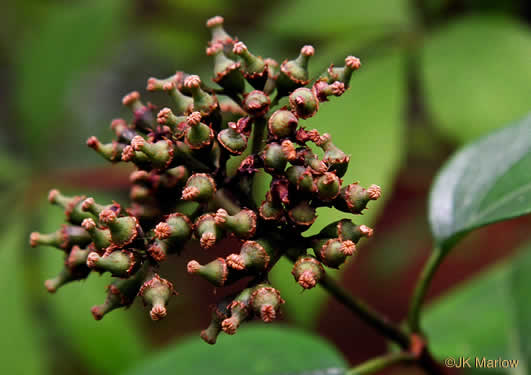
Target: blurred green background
{"x": 436, "y": 74}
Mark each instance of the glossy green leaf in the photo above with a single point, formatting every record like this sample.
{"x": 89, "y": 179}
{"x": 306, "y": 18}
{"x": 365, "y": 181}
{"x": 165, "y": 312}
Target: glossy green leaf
{"x": 487, "y": 317}
{"x": 354, "y": 18}
{"x": 107, "y": 346}
{"x": 366, "y": 122}
{"x": 21, "y": 347}
{"x": 254, "y": 350}
{"x": 485, "y": 182}
{"x": 476, "y": 75}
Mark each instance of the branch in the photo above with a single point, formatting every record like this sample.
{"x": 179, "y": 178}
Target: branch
{"x": 366, "y": 313}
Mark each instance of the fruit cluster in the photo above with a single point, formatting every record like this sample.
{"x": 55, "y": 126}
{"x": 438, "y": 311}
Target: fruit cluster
{"x": 183, "y": 188}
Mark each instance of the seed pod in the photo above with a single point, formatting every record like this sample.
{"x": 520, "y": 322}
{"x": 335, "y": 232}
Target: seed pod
{"x": 307, "y": 271}
{"x": 123, "y": 229}
{"x": 176, "y": 229}
{"x": 242, "y": 225}
{"x": 336, "y": 159}
{"x": 200, "y": 187}
{"x": 67, "y": 275}
{"x": 144, "y": 116}
{"x": 282, "y": 124}
{"x": 304, "y": 102}
{"x": 72, "y": 206}
{"x": 343, "y": 74}
{"x": 345, "y": 230}
{"x": 64, "y": 238}
{"x": 219, "y": 35}
{"x": 220, "y": 312}
{"x": 265, "y": 302}
{"x": 303, "y": 215}
{"x": 124, "y": 134}
{"x": 270, "y": 209}
{"x": 240, "y": 310}
{"x": 302, "y": 178}
{"x": 226, "y": 71}
{"x": 207, "y": 230}
{"x": 253, "y": 67}
{"x": 197, "y": 134}
{"x": 328, "y": 186}
{"x": 215, "y": 272}
{"x": 156, "y": 292}
{"x": 120, "y": 263}
{"x": 274, "y": 157}
{"x": 294, "y": 73}
{"x": 160, "y": 153}
{"x": 101, "y": 238}
{"x": 110, "y": 151}
{"x": 177, "y": 124}
{"x": 89, "y": 205}
{"x": 232, "y": 139}
{"x": 354, "y": 198}
{"x": 323, "y": 90}
{"x": 121, "y": 293}
{"x": 333, "y": 252}
{"x": 204, "y": 103}
{"x": 77, "y": 258}
{"x": 141, "y": 160}
{"x": 254, "y": 256}
{"x": 256, "y": 103}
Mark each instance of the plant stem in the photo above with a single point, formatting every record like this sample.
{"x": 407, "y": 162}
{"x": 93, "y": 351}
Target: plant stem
{"x": 222, "y": 201}
{"x": 380, "y": 363}
{"x": 258, "y": 135}
{"x": 433, "y": 263}
{"x": 366, "y": 313}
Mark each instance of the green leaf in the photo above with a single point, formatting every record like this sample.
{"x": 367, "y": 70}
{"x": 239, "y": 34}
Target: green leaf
{"x": 488, "y": 317}
{"x": 366, "y": 122}
{"x": 107, "y": 346}
{"x": 356, "y": 19}
{"x": 487, "y": 181}
{"x": 254, "y": 350}
{"x": 476, "y": 74}
{"x": 22, "y": 350}
{"x": 69, "y": 40}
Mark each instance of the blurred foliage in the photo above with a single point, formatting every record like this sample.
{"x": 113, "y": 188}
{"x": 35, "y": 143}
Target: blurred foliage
{"x": 64, "y": 65}
{"x": 255, "y": 350}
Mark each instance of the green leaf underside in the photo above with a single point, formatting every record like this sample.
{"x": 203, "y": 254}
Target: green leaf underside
{"x": 487, "y": 317}
{"x": 22, "y": 351}
{"x": 107, "y": 346}
{"x": 254, "y": 350}
{"x": 487, "y": 181}
{"x": 476, "y": 74}
{"x": 365, "y": 123}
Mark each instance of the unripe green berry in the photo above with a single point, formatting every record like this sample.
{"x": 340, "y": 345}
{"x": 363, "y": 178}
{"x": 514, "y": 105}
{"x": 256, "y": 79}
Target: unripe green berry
{"x": 110, "y": 151}
{"x": 242, "y": 225}
{"x": 200, "y": 187}
{"x": 302, "y": 214}
{"x": 334, "y": 252}
{"x": 226, "y": 71}
{"x": 256, "y": 103}
{"x": 215, "y": 272}
{"x": 121, "y": 263}
{"x": 282, "y": 124}
{"x": 123, "y": 229}
{"x": 354, "y": 197}
{"x": 101, "y": 238}
{"x": 156, "y": 292}
{"x": 304, "y": 102}
{"x": 254, "y": 256}
{"x": 307, "y": 271}
{"x": 207, "y": 230}
{"x": 328, "y": 186}
{"x": 265, "y": 302}
{"x": 71, "y": 205}
{"x": 232, "y": 139}
{"x": 240, "y": 310}
{"x": 64, "y": 238}
{"x": 253, "y": 67}
{"x": 294, "y": 73}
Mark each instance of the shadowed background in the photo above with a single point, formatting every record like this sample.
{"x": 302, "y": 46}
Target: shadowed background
{"x": 436, "y": 74}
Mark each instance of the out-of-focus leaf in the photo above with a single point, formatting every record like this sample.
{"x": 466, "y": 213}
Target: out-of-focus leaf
{"x": 254, "y": 350}
{"x": 477, "y": 77}
{"x": 21, "y": 347}
{"x": 107, "y": 346}
{"x": 366, "y": 122}
{"x": 488, "y": 317}
{"x": 487, "y": 181}
{"x": 70, "y": 39}
{"x": 313, "y": 18}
